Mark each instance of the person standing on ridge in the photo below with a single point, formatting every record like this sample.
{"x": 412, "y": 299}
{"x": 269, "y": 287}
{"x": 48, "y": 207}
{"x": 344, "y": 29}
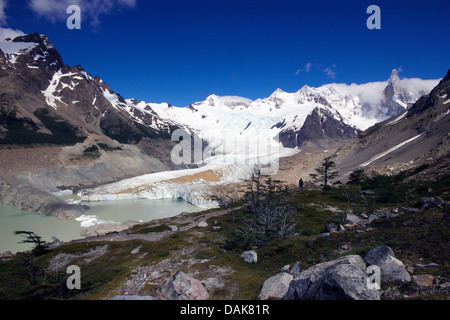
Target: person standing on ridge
{"x": 300, "y": 184}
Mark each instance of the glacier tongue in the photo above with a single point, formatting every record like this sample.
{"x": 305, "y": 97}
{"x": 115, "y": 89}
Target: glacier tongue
{"x": 192, "y": 185}
{"x": 196, "y": 193}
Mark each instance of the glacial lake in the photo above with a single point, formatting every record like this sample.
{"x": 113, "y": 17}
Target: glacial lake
{"x": 13, "y": 219}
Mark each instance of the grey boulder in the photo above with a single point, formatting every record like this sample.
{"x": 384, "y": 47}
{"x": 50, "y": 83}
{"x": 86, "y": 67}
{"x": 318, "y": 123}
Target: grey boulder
{"x": 392, "y": 269}
{"x": 250, "y": 256}
{"x": 341, "y": 279}
{"x": 184, "y": 287}
{"x": 296, "y": 269}
{"x": 55, "y": 242}
{"x": 350, "y": 218}
{"x": 276, "y": 287}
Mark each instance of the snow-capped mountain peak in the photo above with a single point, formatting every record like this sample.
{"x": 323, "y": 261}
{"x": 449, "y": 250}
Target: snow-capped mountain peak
{"x": 350, "y": 107}
{"x": 33, "y": 49}
{"x": 332, "y": 111}
{"x": 278, "y": 92}
{"x": 13, "y": 50}
{"x": 306, "y": 90}
{"x": 224, "y": 102}
{"x": 394, "y": 76}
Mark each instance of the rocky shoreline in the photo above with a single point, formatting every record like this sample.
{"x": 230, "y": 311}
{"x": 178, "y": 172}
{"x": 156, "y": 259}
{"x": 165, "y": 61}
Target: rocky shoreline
{"x": 30, "y": 199}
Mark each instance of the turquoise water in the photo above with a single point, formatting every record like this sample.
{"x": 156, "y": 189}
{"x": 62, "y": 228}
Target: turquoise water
{"x": 13, "y": 219}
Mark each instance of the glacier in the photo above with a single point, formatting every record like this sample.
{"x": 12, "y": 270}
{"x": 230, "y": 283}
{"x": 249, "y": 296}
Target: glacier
{"x": 192, "y": 185}
{"x": 242, "y": 133}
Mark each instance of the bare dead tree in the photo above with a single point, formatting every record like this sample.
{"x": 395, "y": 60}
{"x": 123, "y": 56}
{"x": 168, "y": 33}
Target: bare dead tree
{"x": 369, "y": 202}
{"x": 268, "y": 213}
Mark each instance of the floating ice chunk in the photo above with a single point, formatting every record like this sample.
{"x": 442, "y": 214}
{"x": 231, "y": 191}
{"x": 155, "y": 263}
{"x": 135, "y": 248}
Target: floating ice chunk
{"x": 89, "y": 221}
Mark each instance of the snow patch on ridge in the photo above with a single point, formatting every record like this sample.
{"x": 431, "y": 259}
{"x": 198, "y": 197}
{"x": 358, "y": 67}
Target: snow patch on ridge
{"x": 51, "y": 93}
{"x": 365, "y": 164}
{"x": 397, "y": 119}
{"x": 112, "y": 98}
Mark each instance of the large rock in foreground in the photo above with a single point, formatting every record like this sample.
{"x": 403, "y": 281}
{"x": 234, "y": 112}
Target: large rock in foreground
{"x": 276, "y": 287}
{"x": 341, "y": 279}
{"x": 184, "y": 287}
{"x": 392, "y": 269}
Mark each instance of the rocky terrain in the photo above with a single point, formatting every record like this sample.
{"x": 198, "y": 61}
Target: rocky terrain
{"x": 62, "y": 129}
{"x": 33, "y": 200}
{"x": 187, "y": 257}
{"x": 59, "y": 131}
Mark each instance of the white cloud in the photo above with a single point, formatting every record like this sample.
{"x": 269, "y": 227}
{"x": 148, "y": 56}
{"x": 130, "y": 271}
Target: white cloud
{"x": 330, "y": 73}
{"x": 373, "y": 92}
{"x": 55, "y": 10}
{"x": 51, "y": 9}
{"x": 2, "y": 12}
{"x": 306, "y": 68}
{"x": 6, "y": 33}
{"x": 328, "y": 70}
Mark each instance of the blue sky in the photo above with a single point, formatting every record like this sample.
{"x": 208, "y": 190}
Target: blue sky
{"x": 181, "y": 51}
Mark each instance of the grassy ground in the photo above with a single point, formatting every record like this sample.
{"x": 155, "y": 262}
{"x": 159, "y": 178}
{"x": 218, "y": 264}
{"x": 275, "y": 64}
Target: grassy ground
{"x": 421, "y": 237}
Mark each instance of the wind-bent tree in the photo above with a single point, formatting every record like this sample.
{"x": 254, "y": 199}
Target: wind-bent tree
{"x": 30, "y": 237}
{"x": 325, "y": 173}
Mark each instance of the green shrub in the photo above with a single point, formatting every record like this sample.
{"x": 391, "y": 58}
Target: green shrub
{"x": 163, "y": 254}
{"x": 23, "y": 131}
{"x": 93, "y": 148}
{"x": 107, "y": 148}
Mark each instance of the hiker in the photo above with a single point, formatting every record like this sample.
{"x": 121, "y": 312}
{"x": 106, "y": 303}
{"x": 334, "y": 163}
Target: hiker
{"x": 300, "y": 184}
